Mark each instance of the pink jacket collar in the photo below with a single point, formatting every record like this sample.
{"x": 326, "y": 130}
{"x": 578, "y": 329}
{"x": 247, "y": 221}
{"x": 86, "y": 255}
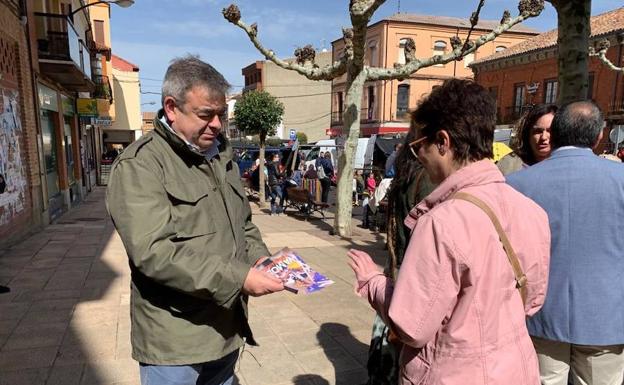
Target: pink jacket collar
{"x": 475, "y": 174}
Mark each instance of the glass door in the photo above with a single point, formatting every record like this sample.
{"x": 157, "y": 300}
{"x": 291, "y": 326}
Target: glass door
{"x": 50, "y": 153}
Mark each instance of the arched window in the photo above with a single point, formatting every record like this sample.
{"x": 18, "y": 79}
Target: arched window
{"x": 401, "y": 58}
{"x": 500, "y": 48}
{"x": 402, "y": 100}
{"x": 439, "y": 48}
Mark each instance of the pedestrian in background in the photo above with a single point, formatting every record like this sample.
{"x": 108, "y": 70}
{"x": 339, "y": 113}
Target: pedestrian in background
{"x": 531, "y": 141}
{"x": 325, "y": 176}
{"x": 459, "y": 306}
{"x": 389, "y": 169}
{"x": 409, "y": 186}
{"x": 580, "y": 329}
{"x": 276, "y": 175}
{"x": 176, "y": 199}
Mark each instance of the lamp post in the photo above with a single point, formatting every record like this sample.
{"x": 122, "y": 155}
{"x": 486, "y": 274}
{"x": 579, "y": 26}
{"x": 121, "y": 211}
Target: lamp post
{"x": 121, "y": 3}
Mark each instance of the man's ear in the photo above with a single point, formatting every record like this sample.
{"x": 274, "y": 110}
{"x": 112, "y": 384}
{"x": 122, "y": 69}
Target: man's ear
{"x": 598, "y": 140}
{"x": 169, "y": 105}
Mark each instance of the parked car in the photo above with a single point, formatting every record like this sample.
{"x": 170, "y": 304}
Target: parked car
{"x": 247, "y": 156}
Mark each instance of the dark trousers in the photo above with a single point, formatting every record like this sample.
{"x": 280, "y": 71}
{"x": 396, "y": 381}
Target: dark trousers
{"x": 276, "y": 192}
{"x": 325, "y": 186}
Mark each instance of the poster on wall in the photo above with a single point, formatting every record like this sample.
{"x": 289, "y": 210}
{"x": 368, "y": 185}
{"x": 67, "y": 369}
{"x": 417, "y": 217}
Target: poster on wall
{"x": 12, "y": 169}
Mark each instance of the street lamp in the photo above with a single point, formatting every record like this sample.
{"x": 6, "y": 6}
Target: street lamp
{"x": 121, "y": 3}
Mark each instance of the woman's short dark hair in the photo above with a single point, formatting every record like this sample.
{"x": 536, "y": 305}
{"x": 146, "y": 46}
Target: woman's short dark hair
{"x": 466, "y": 111}
{"x": 520, "y": 143}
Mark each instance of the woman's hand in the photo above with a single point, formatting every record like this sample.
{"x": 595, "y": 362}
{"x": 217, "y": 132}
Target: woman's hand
{"x": 363, "y": 267}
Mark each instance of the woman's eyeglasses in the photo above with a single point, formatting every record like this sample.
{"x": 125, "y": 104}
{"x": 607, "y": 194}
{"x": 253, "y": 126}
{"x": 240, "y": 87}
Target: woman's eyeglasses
{"x": 415, "y": 145}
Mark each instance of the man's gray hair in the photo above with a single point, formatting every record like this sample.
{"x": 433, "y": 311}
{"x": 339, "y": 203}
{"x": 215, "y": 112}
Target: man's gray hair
{"x": 576, "y": 124}
{"x": 187, "y": 72}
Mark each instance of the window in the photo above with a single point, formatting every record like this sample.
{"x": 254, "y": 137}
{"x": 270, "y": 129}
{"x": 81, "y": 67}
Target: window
{"x": 401, "y": 58}
{"x": 439, "y": 48}
{"x": 402, "y": 100}
{"x": 519, "y": 97}
{"x": 371, "y": 102}
{"x": 469, "y": 59}
{"x": 372, "y": 54}
{"x": 500, "y": 48}
{"x": 550, "y": 91}
{"x": 590, "y": 86}
{"x": 99, "y": 31}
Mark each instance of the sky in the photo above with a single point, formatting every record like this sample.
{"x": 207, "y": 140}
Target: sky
{"x": 152, "y": 32}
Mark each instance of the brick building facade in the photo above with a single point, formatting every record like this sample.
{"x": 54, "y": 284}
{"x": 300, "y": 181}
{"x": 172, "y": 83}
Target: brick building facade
{"x": 526, "y": 74}
{"x": 20, "y": 195}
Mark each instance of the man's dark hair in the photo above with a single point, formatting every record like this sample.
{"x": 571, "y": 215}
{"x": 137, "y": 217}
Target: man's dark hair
{"x": 576, "y": 124}
{"x": 521, "y": 143}
{"x": 466, "y": 111}
{"x": 187, "y": 72}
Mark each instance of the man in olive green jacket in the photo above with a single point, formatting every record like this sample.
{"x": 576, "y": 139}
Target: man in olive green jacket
{"x": 176, "y": 200}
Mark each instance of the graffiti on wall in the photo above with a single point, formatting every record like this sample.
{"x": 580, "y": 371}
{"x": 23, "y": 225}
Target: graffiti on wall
{"x": 13, "y": 182}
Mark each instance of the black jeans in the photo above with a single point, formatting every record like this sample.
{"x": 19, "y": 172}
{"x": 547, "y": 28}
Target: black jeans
{"x": 325, "y": 186}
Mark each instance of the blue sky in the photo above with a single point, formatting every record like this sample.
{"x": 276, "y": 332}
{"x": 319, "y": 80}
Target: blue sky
{"x": 152, "y": 32}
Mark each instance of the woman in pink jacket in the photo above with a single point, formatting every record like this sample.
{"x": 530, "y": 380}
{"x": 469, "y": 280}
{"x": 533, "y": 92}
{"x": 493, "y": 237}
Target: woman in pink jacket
{"x": 455, "y": 306}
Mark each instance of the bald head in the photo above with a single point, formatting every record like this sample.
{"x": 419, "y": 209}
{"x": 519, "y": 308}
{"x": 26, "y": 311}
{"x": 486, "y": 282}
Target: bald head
{"x": 576, "y": 124}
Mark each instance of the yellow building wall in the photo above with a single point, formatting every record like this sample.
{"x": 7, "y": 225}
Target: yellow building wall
{"x": 102, "y": 12}
{"x": 127, "y": 102}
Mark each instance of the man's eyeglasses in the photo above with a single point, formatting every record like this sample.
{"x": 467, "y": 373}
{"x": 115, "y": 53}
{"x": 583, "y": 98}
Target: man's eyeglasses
{"x": 415, "y": 145}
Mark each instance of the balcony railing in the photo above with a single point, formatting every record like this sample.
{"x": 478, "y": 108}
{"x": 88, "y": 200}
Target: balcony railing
{"x": 58, "y": 42}
{"x": 103, "y": 88}
{"x": 616, "y": 108}
{"x": 514, "y": 113}
{"x": 366, "y": 115}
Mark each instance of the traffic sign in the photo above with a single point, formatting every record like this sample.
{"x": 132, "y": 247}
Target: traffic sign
{"x": 292, "y": 134}
{"x": 617, "y": 134}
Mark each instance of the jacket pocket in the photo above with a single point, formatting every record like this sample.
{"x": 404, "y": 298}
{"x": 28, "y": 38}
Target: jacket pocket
{"x": 414, "y": 369}
{"x": 191, "y": 210}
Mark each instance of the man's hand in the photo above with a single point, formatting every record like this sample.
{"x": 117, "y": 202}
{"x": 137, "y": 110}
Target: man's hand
{"x": 363, "y": 267}
{"x": 259, "y": 283}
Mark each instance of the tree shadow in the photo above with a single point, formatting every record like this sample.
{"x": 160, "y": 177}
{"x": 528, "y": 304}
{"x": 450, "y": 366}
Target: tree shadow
{"x": 309, "y": 379}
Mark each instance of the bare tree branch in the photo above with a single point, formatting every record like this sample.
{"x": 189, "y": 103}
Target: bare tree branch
{"x": 601, "y": 53}
{"x": 404, "y": 71}
{"x": 364, "y": 8}
{"x": 307, "y": 69}
{"x": 474, "y": 20}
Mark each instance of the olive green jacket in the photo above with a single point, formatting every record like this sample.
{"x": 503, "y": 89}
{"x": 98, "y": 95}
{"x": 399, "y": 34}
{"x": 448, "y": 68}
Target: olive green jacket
{"x": 186, "y": 225}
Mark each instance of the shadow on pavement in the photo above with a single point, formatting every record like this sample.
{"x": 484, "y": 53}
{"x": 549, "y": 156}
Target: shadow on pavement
{"x": 345, "y": 353}
{"x": 66, "y": 320}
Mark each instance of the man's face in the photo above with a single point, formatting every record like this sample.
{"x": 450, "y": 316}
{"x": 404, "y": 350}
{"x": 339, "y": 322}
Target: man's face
{"x": 198, "y": 120}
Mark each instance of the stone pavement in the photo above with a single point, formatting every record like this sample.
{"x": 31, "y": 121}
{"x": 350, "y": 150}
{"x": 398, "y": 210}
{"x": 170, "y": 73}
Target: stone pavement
{"x": 66, "y": 320}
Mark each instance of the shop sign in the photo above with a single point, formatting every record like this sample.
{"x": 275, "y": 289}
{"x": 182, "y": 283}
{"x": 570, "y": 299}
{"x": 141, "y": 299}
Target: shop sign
{"x": 103, "y": 121}
{"x": 47, "y": 98}
{"x": 68, "y": 105}
{"x": 86, "y": 107}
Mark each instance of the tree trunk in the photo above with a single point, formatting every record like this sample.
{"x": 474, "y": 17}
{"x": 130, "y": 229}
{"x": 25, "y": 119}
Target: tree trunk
{"x": 262, "y": 179}
{"x": 351, "y": 119}
{"x": 573, "y": 43}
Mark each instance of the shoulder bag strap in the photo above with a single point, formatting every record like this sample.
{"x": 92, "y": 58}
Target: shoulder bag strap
{"x": 521, "y": 278}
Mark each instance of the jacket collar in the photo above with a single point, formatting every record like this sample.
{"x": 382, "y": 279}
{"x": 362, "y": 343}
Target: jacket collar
{"x": 567, "y": 151}
{"x": 182, "y": 149}
{"x": 475, "y": 174}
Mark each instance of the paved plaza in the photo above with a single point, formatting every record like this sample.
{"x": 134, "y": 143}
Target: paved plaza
{"x": 66, "y": 320}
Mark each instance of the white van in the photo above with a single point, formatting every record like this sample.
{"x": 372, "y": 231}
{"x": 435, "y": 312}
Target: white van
{"x": 363, "y": 154}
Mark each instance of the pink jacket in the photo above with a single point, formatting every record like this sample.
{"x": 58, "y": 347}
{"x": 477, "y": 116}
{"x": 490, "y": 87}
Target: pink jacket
{"x": 454, "y": 305}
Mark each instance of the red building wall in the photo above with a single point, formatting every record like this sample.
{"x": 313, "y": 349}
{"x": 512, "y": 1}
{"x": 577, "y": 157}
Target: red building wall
{"x": 607, "y": 90}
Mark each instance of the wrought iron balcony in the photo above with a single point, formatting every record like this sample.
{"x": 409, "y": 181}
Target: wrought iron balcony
{"x": 103, "y": 89}
{"x": 514, "y": 113}
{"x": 63, "y": 56}
{"x": 366, "y": 116}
